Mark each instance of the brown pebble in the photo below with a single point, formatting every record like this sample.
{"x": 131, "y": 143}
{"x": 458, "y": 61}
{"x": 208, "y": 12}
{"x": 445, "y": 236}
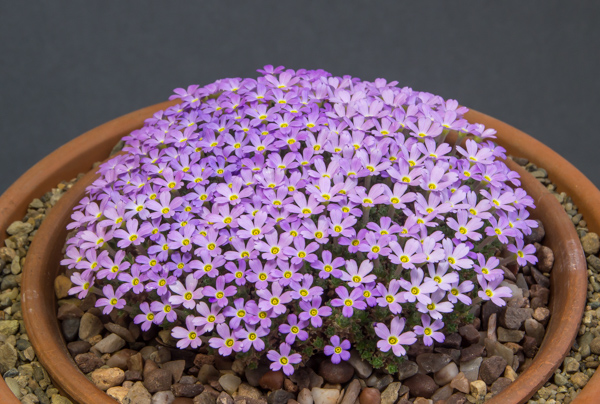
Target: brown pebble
{"x": 289, "y": 385}
{"x": 369, "y": 395}
{"x": 271, "y": 380}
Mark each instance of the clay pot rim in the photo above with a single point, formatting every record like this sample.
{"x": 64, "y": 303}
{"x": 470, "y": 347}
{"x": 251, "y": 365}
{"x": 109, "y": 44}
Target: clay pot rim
{"x": 138, "y": 116}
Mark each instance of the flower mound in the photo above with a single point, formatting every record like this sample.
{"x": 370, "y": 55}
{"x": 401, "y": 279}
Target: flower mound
{"x": 301, "y": 212}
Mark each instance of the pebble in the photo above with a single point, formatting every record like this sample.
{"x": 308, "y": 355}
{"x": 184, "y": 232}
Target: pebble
{"x": 571, "y": 365}
{"x": 370, "y": 395}
{"x": 176, "y": 368}
{"x": 461, "y": 383}
{"x": 119, "y": 359}
{"x": 8, "y": 357}
{"x": 230, "y": 383}
{"x": 209, "y": 372}
{"x": 336, "y": 372}
{"x": 443, "y": 393}
{"x": 390, "y": 394}
{"x": 471, "y": 368}
{"x": 186, "y": 390}
{"x": 491, "y": 369}
{"x": 9, "y": 327}
{"x": 89, "y": 326}
{"x": 591, "y": 243}
{"x": 271, "y": 380}
{"x": 19, "y": 227}
{"x": 506, "y": 335}
{"x": 106, "y": 378}
{"x": 305, "y": 397}
{"x": 471, "y": 352}
{"x": 245, "y": 390}
{"x": 325, "y": 396}
{"x": 351, "y": 395}
{"x": 595, "y": 346}
{"x": 120, "y": 331}
{"x": 407, "y": 369}
{"x": 469, "y": 333}
{"x": 69, "y": 310}
{"x": 545, "y": 258}
{"x": 382, "y": 382}
{"x": 535, "y": 329}
{"x": 110, "y": 344}
{"x": 579, "y": 379}
{"x": 163, "y": 397}
{"x": 421, "y": 385}
{"x": 62, "y": 284}
{"x": 446, "y": 374}
{"x": 433, "y": 362}
{"x": 513, "y": 317}
{"x": 362, "y": 368}
{"x": 118, "y": 393}
{"x": 158, "y": 380}
{"x": 225, "y": 398}
{"x": 138, "y": 394}
{"x": 252, "y": 375}
{"x": 499, "y": 385}
{"x": 478, "y": 389}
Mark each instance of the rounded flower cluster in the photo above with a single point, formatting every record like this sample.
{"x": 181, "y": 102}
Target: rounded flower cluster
{"x": 300, "y": 212}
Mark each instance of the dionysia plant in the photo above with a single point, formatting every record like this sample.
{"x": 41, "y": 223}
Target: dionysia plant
{"x": 300, "y": 212}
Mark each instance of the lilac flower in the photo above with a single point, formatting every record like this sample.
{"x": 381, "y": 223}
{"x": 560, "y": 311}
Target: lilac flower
{"x": 393, "y": 338}
{"x": 457, "y": 292}
{"x": 314, "y": 311}
{"x": 391, "y": 297}
{"x": 283, "y": 359}
{"x": 328, "y": 266}
{"x": 274, "y": 299}
{"x": 188, "y": 337}
{"x": 492, "y": 291}
{"x": 146, "y": 319}
{"x": 294, "y": 329}
{"x": 240, "y": 312}
{"x": 162, "y": 310}
{"x": 436, "y": 307}
{"x": 186, "y": 295}
{"x": 259, "y": 184}
{"x": 430, "y": 331}
{"x": 208, "y": 317}
{"x": 357, "y": 276}
{"x": 220, "y": 293}
{"x": 337, "y": 350}
{"x": 111, "y": 299}
{"x": 465, "y": 228}
{"x": 251, "y": 337}
{"x": 227, "y": 343}
{"x": 417, "y": 289}
{"x": 408, "y": 256}
{"x": 348, "y": 301}
{"x": 523, "y": 255}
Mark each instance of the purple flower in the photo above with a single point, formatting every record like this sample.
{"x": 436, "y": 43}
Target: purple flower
{"x": 328, "y": 266}
{"x": 251, "y": 337}
{"x": 357, "y": 276}
{"x": 220, "y": 293}
{"x": 283, "y": 359}
{"x": 111, "y": 299}
{"x": 430, "y": 331}
{"x": 186, "y": 295}
{"x": 188, "y": 337}
{"x": 313, "y": 311}
{"x": 146, "y": 319}
{"x": 208, "y": 317}
{"x": 337, "y": 350}
{"x": 227, "y": 343}
{"x": 294, "y": 329}
{"x": 274, "y": 300}
{"x": 523, "y": 255}
{"x": 393, "y": 338}
{"x": 492, "y": 291}
{"x": 349, "y": 301}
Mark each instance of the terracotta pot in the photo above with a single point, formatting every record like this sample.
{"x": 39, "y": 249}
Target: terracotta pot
{"x": 65, "y": 163}
{"x": 569, "y": 271}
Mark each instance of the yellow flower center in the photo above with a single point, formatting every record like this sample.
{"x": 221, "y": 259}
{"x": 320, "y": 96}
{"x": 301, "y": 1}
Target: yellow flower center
{"x": 274, "y": 250}
{"x": 356, "y": 279}
{"x": 414, "y": 290}
{"x": 392, "y": 340}
{"x": 211, "y": 318}
{"x": 188, "y": 296}
{"x": 313, "y": 312}
{"x": 219, "y": 295}
{"x": 338, "y": 350}
{"x": 113, "y": 301}
{"x": 150, "y": 316}
{"x": 348, "y": 302}
{"x": 274, "y": 301}
{"x": 162, "y": 282}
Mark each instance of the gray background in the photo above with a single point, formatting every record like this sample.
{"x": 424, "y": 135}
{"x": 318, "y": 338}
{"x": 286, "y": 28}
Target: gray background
{"x": 66, "y": 67}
